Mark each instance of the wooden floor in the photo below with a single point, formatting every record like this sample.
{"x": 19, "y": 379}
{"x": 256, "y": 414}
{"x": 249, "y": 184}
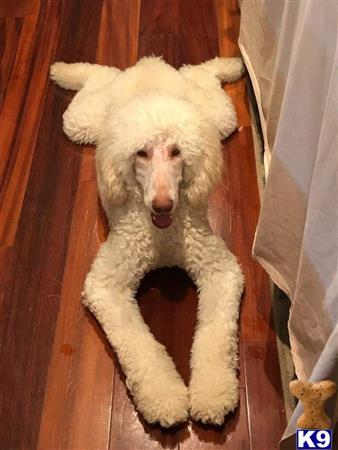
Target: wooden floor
{"x": 60, "y": 384}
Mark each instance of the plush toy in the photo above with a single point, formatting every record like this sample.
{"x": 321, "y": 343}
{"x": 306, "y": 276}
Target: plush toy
{"x": 158, "y": 133}
{"x": 313, "y": 396}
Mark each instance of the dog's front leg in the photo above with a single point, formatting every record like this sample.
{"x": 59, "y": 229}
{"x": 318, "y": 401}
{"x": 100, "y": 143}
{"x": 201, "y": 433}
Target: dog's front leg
{"x": 159, "y": 392}
{"x": 214, "y": 359}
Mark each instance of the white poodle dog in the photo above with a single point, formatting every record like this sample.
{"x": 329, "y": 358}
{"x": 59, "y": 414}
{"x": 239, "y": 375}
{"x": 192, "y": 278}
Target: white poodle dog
{"x": 158, "y": 133}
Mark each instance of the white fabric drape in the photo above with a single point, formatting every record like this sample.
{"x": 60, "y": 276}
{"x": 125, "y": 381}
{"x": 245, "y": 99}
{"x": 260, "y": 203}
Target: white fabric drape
{"x": 290, "y": 49}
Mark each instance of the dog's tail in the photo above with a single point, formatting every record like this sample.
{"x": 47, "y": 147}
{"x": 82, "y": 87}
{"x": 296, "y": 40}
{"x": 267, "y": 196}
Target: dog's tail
{"x": 225, "y": 69}
{"x": 74, "y": 76}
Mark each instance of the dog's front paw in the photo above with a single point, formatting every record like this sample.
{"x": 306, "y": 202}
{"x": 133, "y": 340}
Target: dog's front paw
{"x": 213, "y": 398}
{"x": 166, "y": 404}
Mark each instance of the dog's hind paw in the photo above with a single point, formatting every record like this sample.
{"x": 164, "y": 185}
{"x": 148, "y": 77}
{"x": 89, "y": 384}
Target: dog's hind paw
{"x": 212, "y": 401}
{"x": 167, "y": 406}
{"x": 57, "y": 73}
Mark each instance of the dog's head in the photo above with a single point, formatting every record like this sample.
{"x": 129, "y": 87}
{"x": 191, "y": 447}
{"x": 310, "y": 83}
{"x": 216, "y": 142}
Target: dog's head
{"x": 162, "y": 146}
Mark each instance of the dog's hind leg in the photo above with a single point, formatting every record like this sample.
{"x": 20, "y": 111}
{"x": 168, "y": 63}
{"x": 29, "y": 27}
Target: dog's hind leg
{"x": 84, "y": 115}
{"x": 159, "y": 392}
{"x": 214, "y": 358}
{"x": 223, "y": 69}
{"x": 208, "y": 94}
{"x": 75, "y": 76}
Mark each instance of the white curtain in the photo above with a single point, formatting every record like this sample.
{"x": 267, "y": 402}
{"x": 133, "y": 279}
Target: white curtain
{"x": 290, "y": 49}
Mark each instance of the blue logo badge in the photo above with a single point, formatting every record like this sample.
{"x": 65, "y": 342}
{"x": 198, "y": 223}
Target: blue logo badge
{"x": 314, "y": 439}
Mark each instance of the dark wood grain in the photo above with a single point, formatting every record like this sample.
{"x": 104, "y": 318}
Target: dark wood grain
{"x": 256, "y": 317}
{"x": 17, "y": 8}
{"x": 18, "y": 136}
{"x": 228, "y": 22}
{"x": 264, "y": 395}
{"x": 81, "y": 379}
{"x": 198, "y": 31}
{"x": 10, "y": 31}
{"x": 78, "y": 397}
{"x": 118, "y": 37}
{"x": 159, "y": 30}
{"x": 31, "y": 299}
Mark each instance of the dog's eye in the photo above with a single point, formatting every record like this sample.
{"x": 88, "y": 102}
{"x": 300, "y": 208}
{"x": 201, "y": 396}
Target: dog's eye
{"x": 142, "y": 154}
{"x": 175, "y": 152}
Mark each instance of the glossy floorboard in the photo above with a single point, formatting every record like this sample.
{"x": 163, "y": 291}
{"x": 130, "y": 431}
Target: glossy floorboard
{"x": 60, "y": 384}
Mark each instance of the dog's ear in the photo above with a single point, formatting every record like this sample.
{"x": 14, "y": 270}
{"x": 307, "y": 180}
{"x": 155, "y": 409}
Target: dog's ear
{"x": 111, "y": 184}
{"x": 202, "y": 174}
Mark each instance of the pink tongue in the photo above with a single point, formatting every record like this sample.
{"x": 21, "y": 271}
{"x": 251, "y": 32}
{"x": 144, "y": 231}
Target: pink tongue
{"x": 161, "y": 220}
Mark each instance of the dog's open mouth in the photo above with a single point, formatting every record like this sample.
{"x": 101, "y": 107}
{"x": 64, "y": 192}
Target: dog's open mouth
{"x": 161, "y": 220}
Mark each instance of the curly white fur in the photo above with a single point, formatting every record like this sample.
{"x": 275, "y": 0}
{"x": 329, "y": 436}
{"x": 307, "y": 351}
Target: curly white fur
{"x": 121, "y": 111}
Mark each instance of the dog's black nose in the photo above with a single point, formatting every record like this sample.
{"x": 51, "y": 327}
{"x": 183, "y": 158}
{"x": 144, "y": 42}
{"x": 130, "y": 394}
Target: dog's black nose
{"x": 162, "y": 208}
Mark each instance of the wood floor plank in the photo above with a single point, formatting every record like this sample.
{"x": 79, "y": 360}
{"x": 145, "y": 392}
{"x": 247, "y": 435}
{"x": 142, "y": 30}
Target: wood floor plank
{"x": 159, "y": 30}
{"x": 90, "y": 372}
{"x": 198, "y": 31}
{"x": 118, "y": 39}
{"x": 21, "y": 113}
{"x": 159, "y": 17}
{"x": 228, "y": 23}
{"x": 168, "y": 303}
{"x": 10, "y": 30}
{"x": 17, "y": 8}
{"x": 6, "y": 255}
{"x": 119, "y": 25}
{"x": 16, "y": 59}
{"x": 256, "y": 322}
{"x": 264, "y": 395}
{"x": 31, "y": 298}
{"x": 239, "y": 95}
{"x": 77, "y": 405}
